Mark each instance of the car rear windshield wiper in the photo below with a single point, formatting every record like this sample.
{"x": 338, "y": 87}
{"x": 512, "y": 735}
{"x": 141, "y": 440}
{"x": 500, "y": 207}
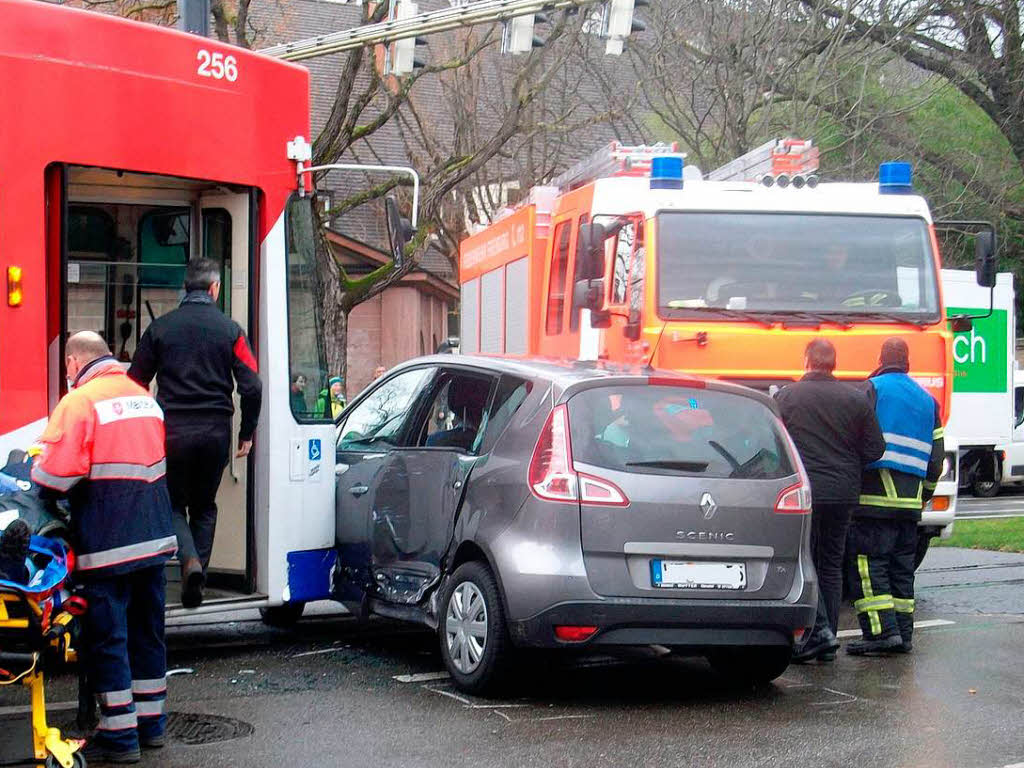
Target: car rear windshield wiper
{"x": 680, "y": 466}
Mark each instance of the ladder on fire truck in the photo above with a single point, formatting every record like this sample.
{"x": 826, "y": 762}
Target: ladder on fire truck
{"x": 779, "y": 160}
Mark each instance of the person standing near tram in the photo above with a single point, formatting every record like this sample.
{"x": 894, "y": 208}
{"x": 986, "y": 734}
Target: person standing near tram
{"x": 197, "y": 355}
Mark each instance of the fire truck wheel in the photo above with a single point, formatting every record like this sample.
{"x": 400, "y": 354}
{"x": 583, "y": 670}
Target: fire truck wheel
{"x": 282, "y": 616}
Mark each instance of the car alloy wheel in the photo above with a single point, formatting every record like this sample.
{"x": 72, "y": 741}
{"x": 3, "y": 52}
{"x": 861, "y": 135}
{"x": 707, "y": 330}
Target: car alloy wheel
{"x": 466, "y": 627}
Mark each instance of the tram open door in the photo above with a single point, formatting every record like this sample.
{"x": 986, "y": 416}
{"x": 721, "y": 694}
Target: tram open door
{"x": 119, "y": 263}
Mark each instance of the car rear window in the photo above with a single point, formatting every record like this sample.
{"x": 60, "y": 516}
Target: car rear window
{"x": 677, "y": 431}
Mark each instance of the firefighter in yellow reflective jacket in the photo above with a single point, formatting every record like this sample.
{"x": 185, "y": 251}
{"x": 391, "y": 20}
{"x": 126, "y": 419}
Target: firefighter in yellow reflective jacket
{"x": 883, "y": 537}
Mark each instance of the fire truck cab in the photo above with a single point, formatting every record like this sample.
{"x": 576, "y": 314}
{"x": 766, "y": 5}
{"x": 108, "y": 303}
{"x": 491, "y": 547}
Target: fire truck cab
{"x": 128, "y": 149}
{"x": 632, "y": 257}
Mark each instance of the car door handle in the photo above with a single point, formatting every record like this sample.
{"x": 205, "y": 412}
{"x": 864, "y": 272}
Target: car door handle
{"x": 358, "y": 490}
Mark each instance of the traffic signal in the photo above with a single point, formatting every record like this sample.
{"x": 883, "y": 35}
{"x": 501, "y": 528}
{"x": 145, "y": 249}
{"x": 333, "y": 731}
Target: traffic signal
{"x": 517, "y": 34}
{"x": 618, "y": 22}
{"x": 403, "y": 54}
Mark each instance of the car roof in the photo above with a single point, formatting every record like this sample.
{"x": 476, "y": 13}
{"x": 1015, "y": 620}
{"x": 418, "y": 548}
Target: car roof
{"x": 578, "y": 374}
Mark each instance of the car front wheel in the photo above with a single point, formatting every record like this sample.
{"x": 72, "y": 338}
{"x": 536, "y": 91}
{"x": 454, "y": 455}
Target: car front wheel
{"x": 473, "y": 633}
{"x": 756, "y": 665}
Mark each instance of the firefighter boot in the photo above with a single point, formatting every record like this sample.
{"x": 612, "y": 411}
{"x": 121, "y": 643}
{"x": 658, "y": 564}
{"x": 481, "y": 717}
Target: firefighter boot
{"x": 876, "y": 647}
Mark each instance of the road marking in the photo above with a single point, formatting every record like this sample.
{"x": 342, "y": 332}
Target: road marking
{"x": 315, "y": 653}
{"x": 850, "y": 698}
{"x": 917, "y": 625}
{"x": 449, "y": 694}
{"x": 422, "y": 677}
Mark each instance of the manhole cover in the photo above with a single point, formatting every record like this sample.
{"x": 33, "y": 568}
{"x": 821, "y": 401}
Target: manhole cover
{"x": 190, "y": 728}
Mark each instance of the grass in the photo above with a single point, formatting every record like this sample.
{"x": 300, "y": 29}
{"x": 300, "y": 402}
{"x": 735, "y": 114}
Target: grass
{"x": 1000, "y": 535}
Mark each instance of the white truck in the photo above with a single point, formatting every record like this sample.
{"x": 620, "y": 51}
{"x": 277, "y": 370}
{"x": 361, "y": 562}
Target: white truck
{"x": 986, "y": 409}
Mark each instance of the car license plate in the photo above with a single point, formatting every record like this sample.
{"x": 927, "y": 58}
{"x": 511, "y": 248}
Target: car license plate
{"x": 677, "y": 574}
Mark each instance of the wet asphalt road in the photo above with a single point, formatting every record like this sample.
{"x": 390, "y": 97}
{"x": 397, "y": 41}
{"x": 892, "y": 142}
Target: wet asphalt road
{"x": 326, "y": 695}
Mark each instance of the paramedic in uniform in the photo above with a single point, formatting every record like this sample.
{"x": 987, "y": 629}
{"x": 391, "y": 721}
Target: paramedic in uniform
{"x": 883, "y": 538}
{"x": 194, "y": 352}
{"x": 104, "y": 447}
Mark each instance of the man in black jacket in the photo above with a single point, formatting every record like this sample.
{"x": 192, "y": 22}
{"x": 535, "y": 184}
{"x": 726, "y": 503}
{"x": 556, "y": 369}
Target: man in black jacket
{"x": 194, "y": 352}
{"x": 836, "y": 432}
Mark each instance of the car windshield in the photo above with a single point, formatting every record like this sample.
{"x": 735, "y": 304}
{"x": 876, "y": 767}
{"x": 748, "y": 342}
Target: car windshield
{"x": 677, "y": 431}
{"x": 837, "y": 265}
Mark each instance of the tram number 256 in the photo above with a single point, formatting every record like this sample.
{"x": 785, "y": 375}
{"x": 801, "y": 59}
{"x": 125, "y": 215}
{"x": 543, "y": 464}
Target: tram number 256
{"x": 216, "y": 65}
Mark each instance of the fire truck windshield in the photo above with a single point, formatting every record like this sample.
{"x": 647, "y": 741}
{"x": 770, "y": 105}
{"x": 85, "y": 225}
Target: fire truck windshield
{"x": 846, "y": 267}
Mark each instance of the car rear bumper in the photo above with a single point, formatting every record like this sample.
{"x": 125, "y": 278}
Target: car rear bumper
{"x": 691, "y": 623}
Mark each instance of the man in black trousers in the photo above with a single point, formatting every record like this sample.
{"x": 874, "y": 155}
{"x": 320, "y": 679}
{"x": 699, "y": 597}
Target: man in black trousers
{"x": 836, "y": 432}
{"x": 195, "y": 351}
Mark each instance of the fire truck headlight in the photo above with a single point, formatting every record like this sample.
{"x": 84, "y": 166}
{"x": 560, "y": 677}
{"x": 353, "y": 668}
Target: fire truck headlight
{"x": 14, "y": 292}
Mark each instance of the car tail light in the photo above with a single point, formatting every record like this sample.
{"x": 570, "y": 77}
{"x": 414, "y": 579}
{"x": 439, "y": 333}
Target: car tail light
{"x": 795, "y": 500}
{"x": 676, "y": 381}
{"x": 570, "y": 633}
{"x": 553, "y": 477}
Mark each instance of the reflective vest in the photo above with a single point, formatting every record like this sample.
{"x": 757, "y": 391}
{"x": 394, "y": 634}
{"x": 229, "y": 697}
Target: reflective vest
{"x": 104, "y": 446}
{"x": 906, "y": 414}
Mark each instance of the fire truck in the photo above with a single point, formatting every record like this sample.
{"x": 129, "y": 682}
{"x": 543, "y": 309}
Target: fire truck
{"x": 633, "y": 256}
{"x": 127, "y": 149}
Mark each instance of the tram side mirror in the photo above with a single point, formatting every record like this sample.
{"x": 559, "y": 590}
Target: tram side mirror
{"x": 985, "y": 259}
{"x": 588, "y": 294}
{"x": 400, "y": 231}
{"x": 633, "y": 326}
{"x": 590, "y": 251}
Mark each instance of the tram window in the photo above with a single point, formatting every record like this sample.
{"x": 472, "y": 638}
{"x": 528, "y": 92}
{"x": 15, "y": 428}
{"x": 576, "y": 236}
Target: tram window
{"x": 90, "y": 231}
{"x": 308, "y": 374}
{"x": 217, "y": 246}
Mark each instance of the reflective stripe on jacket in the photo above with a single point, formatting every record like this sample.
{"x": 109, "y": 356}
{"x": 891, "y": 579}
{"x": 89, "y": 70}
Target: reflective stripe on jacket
{"x": 906, "y": 414}
{"x": 104, "y": 445}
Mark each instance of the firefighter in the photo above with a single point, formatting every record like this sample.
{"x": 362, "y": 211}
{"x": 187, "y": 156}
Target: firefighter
{"x": 104, "y": 446}
{"x": 894, "y": 489}
{"x": 194, "y": 352}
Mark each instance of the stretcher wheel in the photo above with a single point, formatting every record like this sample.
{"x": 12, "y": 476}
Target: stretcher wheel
{"x": 78, "y": 761}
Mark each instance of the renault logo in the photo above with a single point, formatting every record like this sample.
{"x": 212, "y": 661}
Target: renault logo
{"x": 708, "y": 505}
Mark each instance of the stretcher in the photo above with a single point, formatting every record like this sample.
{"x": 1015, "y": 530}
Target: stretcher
{"x": 37, "y": 625}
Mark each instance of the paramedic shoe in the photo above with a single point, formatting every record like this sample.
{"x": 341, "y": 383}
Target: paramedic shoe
{"x": 153, "y": 742}
{"x": 885, "y": 645}
{"x": 819, "y": 644}
{"x": 192, "y": 582}
{"x": 97, "y": 753}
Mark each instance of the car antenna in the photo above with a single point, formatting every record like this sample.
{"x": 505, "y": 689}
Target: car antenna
{"x": 650, "y": 360}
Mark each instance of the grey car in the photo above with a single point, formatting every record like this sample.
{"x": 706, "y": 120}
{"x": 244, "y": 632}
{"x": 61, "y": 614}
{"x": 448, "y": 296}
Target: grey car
{"x": 513, "y": 503}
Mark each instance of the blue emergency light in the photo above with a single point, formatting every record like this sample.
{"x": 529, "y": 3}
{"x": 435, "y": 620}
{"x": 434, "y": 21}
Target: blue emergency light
{"x": 895, "y": 179}
{"x": 667, "y": 172}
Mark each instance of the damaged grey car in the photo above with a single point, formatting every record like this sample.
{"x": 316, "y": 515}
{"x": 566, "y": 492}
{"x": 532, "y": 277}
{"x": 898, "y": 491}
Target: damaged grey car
{"x": 529, "y": 504}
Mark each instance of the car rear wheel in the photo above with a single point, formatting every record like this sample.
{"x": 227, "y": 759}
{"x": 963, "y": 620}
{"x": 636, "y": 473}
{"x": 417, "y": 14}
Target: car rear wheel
{"x": 473, "y": 633}
{"x": 757, "y": 665}
{"x": 985, "y": 489}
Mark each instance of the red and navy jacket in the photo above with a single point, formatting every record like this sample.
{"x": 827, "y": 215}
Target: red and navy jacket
{"x": 194, "y": 351}
{"x": 104, "y": 446}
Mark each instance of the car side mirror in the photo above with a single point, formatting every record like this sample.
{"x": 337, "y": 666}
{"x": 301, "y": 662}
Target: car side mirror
{"x": 633, "y": 326}
{"x": 961, "y": 323}
{"x": 400, "y": 232}
{"x": 985, "y": 258}
{"x": 588, "y": 294}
